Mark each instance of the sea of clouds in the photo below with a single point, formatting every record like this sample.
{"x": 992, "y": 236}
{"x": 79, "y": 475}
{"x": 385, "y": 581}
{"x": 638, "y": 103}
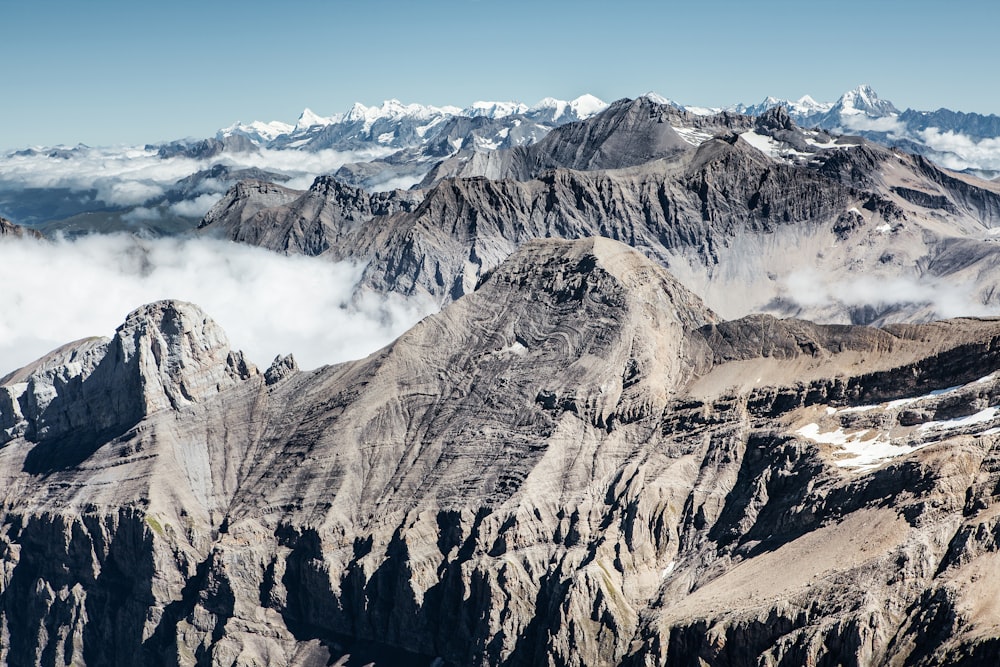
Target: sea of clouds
{"x": 58, "y": 291}
{"x": 136, "y": 176}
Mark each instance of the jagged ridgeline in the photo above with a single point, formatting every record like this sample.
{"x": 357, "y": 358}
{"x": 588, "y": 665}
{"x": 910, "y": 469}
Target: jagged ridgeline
{"x": 752, "y": 214}
{"x": 576, "y": 463}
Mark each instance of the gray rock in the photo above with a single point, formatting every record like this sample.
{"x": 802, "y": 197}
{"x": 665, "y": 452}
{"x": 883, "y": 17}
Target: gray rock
{"x": 576, "y": 463}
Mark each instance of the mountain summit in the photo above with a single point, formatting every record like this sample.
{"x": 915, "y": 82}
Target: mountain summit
{"x": 576, "y": 463}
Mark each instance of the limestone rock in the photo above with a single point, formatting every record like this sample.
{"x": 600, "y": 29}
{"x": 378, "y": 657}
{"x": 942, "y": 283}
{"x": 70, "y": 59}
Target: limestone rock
{"x": 576, "y": 463}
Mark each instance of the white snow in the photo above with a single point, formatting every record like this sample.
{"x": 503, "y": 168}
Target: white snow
{"x": 587, "y": 105}
{"x": 671, "y": 566}
{"x": 981, "y": 417}
{"x": 884, "y": 228}
{"x": 257, "y": 131}
{"x": 656, "y": 98}
{"x": 867, "y": 449}
{"x": 386, "y": 137}
{"x": 771, "y": 148}
{"x": 806, "y": 105}
{"x": 484, "y": 144}
{"x": 701, "y": 111}
{"x": 495, "y": 109}
{"x": 899, "y": 402}
{"x": 693, "y": 136}
{"x": 309, "y": 119}
{"x": 582, "y": 107}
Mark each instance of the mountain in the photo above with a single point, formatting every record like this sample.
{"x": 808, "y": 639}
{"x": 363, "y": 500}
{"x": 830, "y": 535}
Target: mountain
{"x": 397, "y": 125}
{"x": 752, "y": 215}
{"x": 953, "y": 139}
{"x": 165, "y": 188}
{"x": 577, "y": 463}
{"x": 77, "y": 190}
{"x": 7, "y": 228}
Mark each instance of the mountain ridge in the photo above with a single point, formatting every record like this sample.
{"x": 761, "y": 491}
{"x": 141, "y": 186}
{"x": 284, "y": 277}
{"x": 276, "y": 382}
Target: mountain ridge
{"x": 533, "y": 447}
{"x": 691, "y": 205}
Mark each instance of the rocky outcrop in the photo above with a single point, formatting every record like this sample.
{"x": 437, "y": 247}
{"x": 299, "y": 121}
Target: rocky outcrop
{"x": 576, "y": 463}
{"x": 8, "y": 228}
{"x": 165, "y": 356}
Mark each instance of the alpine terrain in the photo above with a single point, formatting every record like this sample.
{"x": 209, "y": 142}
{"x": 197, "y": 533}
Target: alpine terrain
{"x": 706, "y": 387}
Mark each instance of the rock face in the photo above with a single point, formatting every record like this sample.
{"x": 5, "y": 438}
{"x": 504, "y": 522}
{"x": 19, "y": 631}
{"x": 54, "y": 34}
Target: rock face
{"x": 576, "y": 463}
{"x": 166, "y": 355}
{"x": 751, "y": 219}
{"x": 8, "y": 228}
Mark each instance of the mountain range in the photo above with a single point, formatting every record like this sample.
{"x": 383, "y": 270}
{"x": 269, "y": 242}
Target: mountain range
{"x": 752, "y": 214}
{"x": 164, "y": 189}
{"x": 577, "y": 463}
{"x": 688, "y": 399}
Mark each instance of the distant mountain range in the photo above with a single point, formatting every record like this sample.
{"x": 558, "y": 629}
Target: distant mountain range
{"x": 952, "y": 138}
{"x": 164, "y": 189}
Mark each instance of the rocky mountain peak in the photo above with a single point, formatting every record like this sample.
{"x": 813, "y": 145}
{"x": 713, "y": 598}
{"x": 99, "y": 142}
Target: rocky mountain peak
{"x": 775, "y": 118}
{"x": 244, "y": 199}
{"x": 8, "y": 228}
{"x": 596, "y": 268}
{"x": 180, "y": 354}
{"x": 863, "y": 99}
{"x": 166, "y": 355}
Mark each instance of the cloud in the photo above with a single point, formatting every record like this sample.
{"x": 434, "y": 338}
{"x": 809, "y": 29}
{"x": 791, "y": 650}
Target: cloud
{"x": 141, "y": 214}
{"x": 269, "y": 304}
{"x": 197, "y": 207}
{"x": 959, "y": 151}
{"x": 127, "y": 193}
{"x": 930, "y": 297}
{"x": 126, "y": 177}
{"x": 865, "y": 123}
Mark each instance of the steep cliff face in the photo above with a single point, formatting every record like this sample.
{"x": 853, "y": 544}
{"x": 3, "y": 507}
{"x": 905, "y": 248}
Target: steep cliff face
{"x": 576, "y": 463}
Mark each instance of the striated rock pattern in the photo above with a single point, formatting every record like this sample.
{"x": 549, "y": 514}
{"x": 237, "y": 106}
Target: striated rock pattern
{"x": 578, "y": 463}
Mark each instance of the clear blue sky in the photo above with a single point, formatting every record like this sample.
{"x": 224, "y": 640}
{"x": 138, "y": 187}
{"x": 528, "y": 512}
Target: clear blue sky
{"x": 112, "y": 71}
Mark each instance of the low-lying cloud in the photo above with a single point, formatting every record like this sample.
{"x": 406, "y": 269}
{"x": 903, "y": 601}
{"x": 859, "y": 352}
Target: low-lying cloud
{"x": 269, "y": 304}
{"x": 126, "y": 177}
{"x": 865, "y": 123}
{"x": 960, "y": 151}
{"x": 921, "y": 297}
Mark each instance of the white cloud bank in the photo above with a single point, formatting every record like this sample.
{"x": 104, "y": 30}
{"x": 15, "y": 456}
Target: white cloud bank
{"x": 135, "y": 176}
{"x": 269, "y": 304}
{"x": 939, "y": 297}
{"x": 960, "y": 151}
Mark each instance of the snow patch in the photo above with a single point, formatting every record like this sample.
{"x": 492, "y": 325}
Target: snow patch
{"x": 693, "y": 136}
{"x": 865, "y": 449}
{"x": 981, "y": 417}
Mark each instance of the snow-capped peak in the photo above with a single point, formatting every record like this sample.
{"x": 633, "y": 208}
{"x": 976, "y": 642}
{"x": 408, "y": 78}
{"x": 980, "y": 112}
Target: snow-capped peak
{"x": 495, "y": 109}
{"x": 309, "y": 119}
{"x": 587, "y": 105}
{"x": 396, "y": 110}
{"x": 864, "y": 100}
{"x": 581, "y": 108}
{"x": 257, "y": 131}
{"x": 806, "y": 105}
{"x": 656, "y": 98}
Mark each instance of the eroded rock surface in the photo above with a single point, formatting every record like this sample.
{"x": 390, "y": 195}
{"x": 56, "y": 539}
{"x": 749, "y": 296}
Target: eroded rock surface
{"x": 577, "y": 463}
